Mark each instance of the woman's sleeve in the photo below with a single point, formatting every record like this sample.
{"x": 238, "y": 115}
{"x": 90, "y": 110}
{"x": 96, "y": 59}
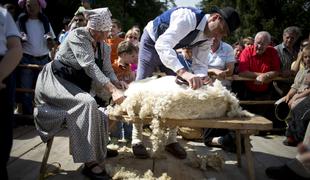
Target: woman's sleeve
{"x": 82, "y": 49}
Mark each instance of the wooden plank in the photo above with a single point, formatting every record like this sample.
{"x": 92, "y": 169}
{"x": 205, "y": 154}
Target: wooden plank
{"x": 255, "y": 123}
{"x": 250, "y": 102}
{"x": 22, "y": 145}
{"x": 27, "y": 166}
{"x": 249, "y": 157}
{"x": 240, "y": 78}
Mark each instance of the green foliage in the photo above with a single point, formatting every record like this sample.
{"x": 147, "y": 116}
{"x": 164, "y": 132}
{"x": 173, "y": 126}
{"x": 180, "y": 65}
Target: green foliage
{"x": 268, "y": 15}
{"x": 129, "y": 12}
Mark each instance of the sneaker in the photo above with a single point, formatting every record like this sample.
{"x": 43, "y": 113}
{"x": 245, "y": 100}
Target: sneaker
{"x": 139, "y": 151}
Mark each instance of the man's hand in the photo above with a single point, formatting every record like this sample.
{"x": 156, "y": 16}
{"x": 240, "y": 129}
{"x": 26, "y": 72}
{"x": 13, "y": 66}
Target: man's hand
{"x": 194, "y": 81}
{"x": 263, "y": 78}
{"x": 206, "y": 80}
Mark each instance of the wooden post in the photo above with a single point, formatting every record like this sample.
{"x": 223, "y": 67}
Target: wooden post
{"x": 45, "y": 158}
{"x": 238, "y": 145}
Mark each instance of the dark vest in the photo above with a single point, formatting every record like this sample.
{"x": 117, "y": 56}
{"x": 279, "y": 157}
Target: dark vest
{"x": 161, "y": 24}
{"x": 24, "y": 17}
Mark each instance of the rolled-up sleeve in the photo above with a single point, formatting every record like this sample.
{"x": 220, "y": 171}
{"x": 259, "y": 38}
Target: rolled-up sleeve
{"x": 182, "y": 22}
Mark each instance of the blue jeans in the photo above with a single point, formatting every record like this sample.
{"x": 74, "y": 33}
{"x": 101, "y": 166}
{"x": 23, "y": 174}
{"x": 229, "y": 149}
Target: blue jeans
{"x": 26, "y": 79}
{"x": 119, "y": 129}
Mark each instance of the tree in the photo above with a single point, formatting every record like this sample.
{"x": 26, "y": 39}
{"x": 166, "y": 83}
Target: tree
{"x": 272, "y": 16}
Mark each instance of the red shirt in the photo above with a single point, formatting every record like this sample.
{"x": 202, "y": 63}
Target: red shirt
{"x": 250, "y": 61}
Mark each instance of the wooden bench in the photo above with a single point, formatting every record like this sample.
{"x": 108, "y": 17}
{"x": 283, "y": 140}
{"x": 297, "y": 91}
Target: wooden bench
{"x": 242, "y": 126}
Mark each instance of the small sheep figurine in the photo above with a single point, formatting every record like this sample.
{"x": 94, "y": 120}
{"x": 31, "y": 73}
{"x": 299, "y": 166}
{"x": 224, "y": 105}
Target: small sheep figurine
{"x": 163, "y": 99}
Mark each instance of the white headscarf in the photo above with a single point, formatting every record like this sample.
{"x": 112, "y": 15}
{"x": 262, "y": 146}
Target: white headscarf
{"x": 99, "y": 19}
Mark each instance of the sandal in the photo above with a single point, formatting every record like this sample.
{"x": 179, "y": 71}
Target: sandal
{"x": 87, "y": 171}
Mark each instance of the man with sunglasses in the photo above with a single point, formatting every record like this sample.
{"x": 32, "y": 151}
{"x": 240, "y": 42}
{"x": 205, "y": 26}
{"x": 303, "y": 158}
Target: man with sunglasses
{"x": 178, "y": 28}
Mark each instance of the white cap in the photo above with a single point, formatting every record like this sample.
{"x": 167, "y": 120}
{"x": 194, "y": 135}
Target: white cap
{"x": 99, "y": 19}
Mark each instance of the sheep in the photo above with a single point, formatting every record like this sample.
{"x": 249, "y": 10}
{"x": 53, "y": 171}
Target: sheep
{"x": 163, "y": 99}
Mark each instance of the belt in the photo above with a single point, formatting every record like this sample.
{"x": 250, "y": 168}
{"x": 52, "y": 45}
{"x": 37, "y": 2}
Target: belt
{"x": 35, "y": 57}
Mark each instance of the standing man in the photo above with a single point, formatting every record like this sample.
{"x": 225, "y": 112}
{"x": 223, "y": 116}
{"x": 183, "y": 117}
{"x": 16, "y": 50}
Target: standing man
{"x": 178, "y": 28}
{"x": 286, "y": 49}
{"x": 10, "y": 55}
{"x": 287, "y": 53}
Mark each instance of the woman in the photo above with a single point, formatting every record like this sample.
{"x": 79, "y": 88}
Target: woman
{"x": 62, "y": 93}
{"x": 298, "y": 99}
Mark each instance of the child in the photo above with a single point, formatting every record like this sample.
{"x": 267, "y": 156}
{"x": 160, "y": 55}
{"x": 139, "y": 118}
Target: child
{"x": 295, "y": 98}
{"x": 114, "y": 39}
{"x": 133, "y": 36}
{"x": 127, "y": 54}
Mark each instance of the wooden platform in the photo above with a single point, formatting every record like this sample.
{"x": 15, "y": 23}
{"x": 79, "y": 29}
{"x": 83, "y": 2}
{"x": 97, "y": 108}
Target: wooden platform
{"x": 28, "y": 151}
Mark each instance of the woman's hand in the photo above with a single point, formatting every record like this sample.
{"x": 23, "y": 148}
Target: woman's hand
{"x": 118, "y": 96}
{"x": 292, "y": 100}
{"x": 121, "y": 85}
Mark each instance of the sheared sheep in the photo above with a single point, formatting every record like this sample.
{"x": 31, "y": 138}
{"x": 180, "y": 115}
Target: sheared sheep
{"x": 162, "y": 98}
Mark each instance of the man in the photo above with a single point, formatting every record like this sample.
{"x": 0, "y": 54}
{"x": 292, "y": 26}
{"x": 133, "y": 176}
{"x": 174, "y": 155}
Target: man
{"x": 286, "y": 49}
{"x": 178, "y": 28}
{"x": 11, "y": 53}
{"x": 298, "y": 168}
{"x": 261, "y": 63}
{"x": 288, "y": 53}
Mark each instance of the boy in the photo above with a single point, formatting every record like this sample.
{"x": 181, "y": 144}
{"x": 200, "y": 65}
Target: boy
{"x": 114, "y": 39}
{"x": 127, "y": 54}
